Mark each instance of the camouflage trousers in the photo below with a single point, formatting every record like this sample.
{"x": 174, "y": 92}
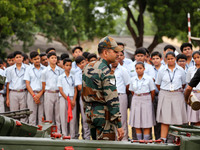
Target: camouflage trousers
{"x": 98, "y": 120}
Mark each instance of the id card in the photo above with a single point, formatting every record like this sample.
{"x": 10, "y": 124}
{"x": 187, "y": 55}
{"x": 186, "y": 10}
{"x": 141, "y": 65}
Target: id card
{"x": 171, "y": 87}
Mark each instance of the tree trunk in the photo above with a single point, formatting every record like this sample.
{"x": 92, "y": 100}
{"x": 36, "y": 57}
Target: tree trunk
{"x": 157, "y": 40}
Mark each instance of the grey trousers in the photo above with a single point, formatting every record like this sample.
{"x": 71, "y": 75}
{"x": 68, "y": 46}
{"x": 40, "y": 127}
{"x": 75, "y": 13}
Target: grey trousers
{"x": 38, "y": 110}
{"x": 85, "y": 126}
{"x": 18, "y": 101}
{"x": 2, "y": 108}
{"x": 123, "y": 100}
{"x": 52, "y": 108}
{"x": 67, "y": 128}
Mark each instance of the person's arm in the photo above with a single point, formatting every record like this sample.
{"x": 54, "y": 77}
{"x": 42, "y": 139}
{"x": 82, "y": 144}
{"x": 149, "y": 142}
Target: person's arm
{"x": 7, "y": 95}
{"x": 73, "y": 103}
{"x": 152, "y": 95}
{"x": 187, "y": 93}
{"x": 30, "y": 90}
{"x": 158, "y": 86}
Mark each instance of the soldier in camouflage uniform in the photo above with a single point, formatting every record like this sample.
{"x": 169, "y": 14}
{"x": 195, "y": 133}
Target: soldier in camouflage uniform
{"x": 99, "y": 94}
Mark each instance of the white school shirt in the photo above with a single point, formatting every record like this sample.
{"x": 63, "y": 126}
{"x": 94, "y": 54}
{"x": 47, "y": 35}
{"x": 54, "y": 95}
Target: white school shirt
{"x": 148, "y": 70}
{"x": 33, "y": 75}
{"x": 156, "y": 73}
{"x": 78, "y": 77}
{"x": 191, "y": 64}
{"x": 144, "y": 85}
{"x": 122, "y": 79}
{"x": 50, "y": 77}
{"x": 2, "y": 73}
{"x": 15, "y": 77}
{"x": 75, "y": 68}
{"x": 67, "y": 83}
{"x": 190, "y": 74}
{"x": 165, "y": 76}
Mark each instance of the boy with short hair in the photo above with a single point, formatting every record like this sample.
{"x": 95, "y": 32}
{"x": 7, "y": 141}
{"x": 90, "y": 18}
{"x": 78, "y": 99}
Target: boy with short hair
{"x": 62, "y": 57}
{"x": 26, "y": 59}
{"x": 68, "y": 91}
{"x": 186, "y": 49}
{"x": 16, "y": 86}
{"x": 92, "y": 57}
{"x": 80, "y": 62}
{"x": 49, "y": 50}
{"x": 35, "y": 99}
{"x": 49, "y": 80}
{"x": 181, "y": 60}
{"x": 76, "y": 51}
{"x": 167, "y": 48}
{"x": 10, "y": 59}
{"x": 43, "y": 59}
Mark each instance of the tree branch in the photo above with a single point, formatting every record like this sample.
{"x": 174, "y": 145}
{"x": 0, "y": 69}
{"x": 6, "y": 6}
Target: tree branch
{"x": 131, "y": 14}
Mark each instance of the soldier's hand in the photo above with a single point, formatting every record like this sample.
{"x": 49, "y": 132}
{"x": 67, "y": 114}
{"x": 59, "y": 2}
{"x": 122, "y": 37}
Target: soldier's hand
{"x": 120, "y": 133}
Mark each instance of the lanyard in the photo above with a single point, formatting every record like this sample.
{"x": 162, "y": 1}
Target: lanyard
{"x": 68, "y": 81}
{"x": 17, "y": 73}
{"x": 171, "y": 79}
{"x": 35, "y": 73}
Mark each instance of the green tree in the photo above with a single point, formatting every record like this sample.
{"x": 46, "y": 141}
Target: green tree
{"x": 17, "y": 19}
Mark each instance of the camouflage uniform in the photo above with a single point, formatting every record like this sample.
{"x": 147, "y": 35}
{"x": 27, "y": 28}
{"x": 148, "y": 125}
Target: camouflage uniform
{"x": 100, "y": 99}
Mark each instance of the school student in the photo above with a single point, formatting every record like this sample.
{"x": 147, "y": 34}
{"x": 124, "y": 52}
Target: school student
{"x": 10, "y": 59}
{"x": 80, "y": 62}
{"x": 122, "y": 83}
{"x": 143, "y": 90}
{"x": 194, "y": 116}
{"x": 186, "y": 49}
{"x": 43, "y": 59}
{"x": 76, "y": 51}
{"x": 68, "y": 91}
{"x": 156, "y": 59}
{"x": 35, "y": 99}
{"x": 16, "y": 86}
{"x": 49, "y": 80}
{"x": 92, "y": 57}
{"x": 181, "y": 60}
{"x": 171, "y": 105}
{"x": 167, "y": 48}
{"x": 140, "y": 54}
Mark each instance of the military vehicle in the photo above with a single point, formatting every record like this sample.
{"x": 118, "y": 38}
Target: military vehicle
{"x": 16, "y": 135}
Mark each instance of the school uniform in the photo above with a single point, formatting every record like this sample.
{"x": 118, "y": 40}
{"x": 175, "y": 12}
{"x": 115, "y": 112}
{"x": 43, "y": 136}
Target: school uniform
{"x": 122, "y": 80}
{"x": 193, "y": 116}
{"x": 33, "y": 75}
{"x": 86, "y": 129}
{"x": 191, "y": 64}
{"x": 171, "y": 104}
{"x": 141, "y": 114}
{"x": 75, "y": 68}
{"x": 2, "y": 107}
{"x": 17, "y": 87}
{"x": 51, "y": 95}
{"x": 67, "y": 84}
{"x": 148, "y": 69}
{"x": 126, "y": 62}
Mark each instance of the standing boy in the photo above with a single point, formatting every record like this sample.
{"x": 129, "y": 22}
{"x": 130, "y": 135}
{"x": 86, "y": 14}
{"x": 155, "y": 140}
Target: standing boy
{"x": 122, "y": 83}
{"x": 35, "y": 99}
{"x": 80, "y": 62}
{"x": 16, "y": 86}
{"x": 181, "y": 60}
{"x": 43, "y": 59}
{"x": 167, "y": 48}
{"x": 68, "y": 91}
{"x": 49, "y": 84}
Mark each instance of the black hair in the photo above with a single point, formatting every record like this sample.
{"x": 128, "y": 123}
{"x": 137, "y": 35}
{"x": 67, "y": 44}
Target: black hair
{"x": 185, "y": 45}
{"x": 49, "y": 49}
{"x": 64, "y": 55}
{"x": 79, "y": 59}
{"x": 120, "y": 43}
{"x": 92, "y": 55}
{"x": 25, "y": 56}
{"x": 181, "y": 56}
{"x": 77, "y": 47}
{"x": 51, "y": 54}
{"x": 34, "y": 54}
{"x": 139, "y": 63}
{"x": 10, "y": 56}
{"x": 196, "y": 52}
{"x": 156, "y": 53}
{"x": 169, "y": 47}
{"x": 43, "y": 54}
{"x": 17, "y": 53}
{"x": 170, "y": 53}
{"x": 1, "y": 61}
{"x": 66, "y": 60}
{"x": 147, "y": 51}
{"x": 58, "y": 58}
{"x": 140, "y": 50}
{"x": 85, "y": 54}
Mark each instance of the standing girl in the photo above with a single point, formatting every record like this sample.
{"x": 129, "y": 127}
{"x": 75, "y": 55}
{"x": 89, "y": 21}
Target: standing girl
{"x": 194, "y": 116}
{"x": 143, "y": 91}
{"x": 171, "y": 105}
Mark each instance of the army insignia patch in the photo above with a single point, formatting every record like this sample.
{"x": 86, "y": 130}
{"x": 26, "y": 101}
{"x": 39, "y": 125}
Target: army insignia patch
{"x": 112, "y": 81}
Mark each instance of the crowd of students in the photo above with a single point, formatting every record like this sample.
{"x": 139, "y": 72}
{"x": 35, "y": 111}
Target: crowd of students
{"x": 151, "y": 86}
